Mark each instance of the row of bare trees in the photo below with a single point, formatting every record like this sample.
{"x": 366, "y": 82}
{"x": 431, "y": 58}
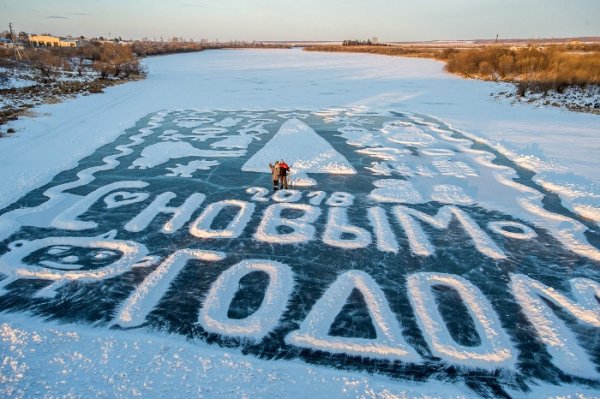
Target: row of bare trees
{"x": 368, "y": 42}
{"x": 143, "y": 48}
{"x": 106, "y": 60}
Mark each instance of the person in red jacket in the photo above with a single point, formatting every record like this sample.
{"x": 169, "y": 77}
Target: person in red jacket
{"x": 284, "y": 169}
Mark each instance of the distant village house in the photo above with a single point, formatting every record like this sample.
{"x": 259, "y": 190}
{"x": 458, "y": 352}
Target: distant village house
{"x": 53, "y": 41}
{"x": 7, "y": 43}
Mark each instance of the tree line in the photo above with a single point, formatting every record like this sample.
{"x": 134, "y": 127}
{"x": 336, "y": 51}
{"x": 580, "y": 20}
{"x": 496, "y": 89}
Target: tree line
{"x": 367, "y": 42}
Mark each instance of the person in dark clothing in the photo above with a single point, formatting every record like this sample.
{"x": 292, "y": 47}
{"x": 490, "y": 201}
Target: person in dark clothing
{"x": 275, "y": 172}
{"x": 283, "y": 173}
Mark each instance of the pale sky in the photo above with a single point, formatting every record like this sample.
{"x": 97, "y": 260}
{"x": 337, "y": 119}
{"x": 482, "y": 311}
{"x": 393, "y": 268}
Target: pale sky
{"x": 389, "y": 20}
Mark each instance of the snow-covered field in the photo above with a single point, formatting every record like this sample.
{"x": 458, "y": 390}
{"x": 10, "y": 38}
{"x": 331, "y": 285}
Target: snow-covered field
{"x": 435, "y": 242}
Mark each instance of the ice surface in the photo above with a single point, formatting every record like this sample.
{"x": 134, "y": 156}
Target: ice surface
{"x": 160, "y": 153}
{"x": 495, "y": 350}
{"x": 398, "y": 191}
{"x": 272, "y": 79}
{"x": 12, "y": 263}
{"x": 313, "y": 332}
{"x": 147, "y": 295}
{"x": 566, "y": 353}
{"x": 302, "y": 149}
{"x": 188, "y": 169}
{"x": 201, "y": 227}
{"x": 311, "y": 280}
{"x": 214, "y": 313}
{"x": 399, "y": 267}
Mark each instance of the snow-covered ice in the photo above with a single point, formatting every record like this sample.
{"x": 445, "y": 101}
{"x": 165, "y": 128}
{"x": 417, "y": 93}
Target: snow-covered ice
{"x": 434, "y": 242}
{"x": 303, "y": 149}
{"x": 46, "y": 359}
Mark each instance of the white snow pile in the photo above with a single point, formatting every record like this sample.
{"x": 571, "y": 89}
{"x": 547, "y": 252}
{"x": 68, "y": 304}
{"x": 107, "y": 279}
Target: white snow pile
{"x": 301, "y": 148}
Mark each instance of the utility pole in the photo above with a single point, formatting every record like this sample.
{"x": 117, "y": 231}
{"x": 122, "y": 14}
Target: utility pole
{"x": 12, "y": 40}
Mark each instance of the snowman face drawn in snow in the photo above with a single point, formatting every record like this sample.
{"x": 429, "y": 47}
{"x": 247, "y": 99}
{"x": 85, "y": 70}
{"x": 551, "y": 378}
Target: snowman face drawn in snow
{"x": 64, "y": 259}
{"x": 68, "y": 257}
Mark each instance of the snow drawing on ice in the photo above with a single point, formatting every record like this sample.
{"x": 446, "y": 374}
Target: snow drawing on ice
{"x": 399, "y": 191}
{"x": 129, "y": 254}
{"x": 495, "y": 350}
{"x": 403, "y": 247}
{"x": 188, "y": 169}
{"x": 304, "y": 150}
{"x": 160, "y": 153}
{"x": 314, "y": 331}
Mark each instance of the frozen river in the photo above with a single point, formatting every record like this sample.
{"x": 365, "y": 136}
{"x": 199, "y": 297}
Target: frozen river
{"x": 434, "y": 240}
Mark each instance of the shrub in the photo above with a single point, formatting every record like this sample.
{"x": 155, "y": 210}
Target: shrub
{"x": 542, "y": 69}
{"x": 116, "y": 60}
{"x": 48, "y": 63}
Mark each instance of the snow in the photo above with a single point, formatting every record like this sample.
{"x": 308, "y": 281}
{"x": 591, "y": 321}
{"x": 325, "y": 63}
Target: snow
{"x": 192, "y": 122}
{"x": 12, "y": 263}
{"x": 302, "y": 228}
{"x": 450, "y": 194}
{"x": 575, "y": 97}
{"x": 337, "y": 226}
{"x": 228, "y": 122}
{"x": 392, "y": 190}
{"x": 181, "y": 214}
{"x": 376, "y": 82}
{"x": 406, "y": 134}
{"x": 286, "y": 195}
{"x": 525, "y": 233}
{"x": 361, "y": 80}
{"x": 414, "y": 192}
{"x": 420, "y": 244}
{"x": 146, "y": 296}
{"x": 213, "y": 315}
{"x": 17, "y": 83}
{"x": 472, "y": 172}
{"x": 46, "y": 359}
{"x": 121, "y": 198}
{"x": 201, "y": 227}
{"x": 160, "y": 153}
{"x": 314, "y": 330}
{"x": 188, "y": 169}
{"x": 302, "y": 149}
{"x": 495, "y": 350}
{"x": 561, "y": 343}
{"x": 382, "y": 229}
{"x": 69, "y": 218}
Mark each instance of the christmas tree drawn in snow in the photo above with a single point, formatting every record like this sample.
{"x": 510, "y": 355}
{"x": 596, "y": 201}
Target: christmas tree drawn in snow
{"x": 304, "y": 150}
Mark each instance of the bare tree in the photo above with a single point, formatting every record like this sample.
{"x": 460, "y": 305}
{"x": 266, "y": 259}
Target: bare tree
{"x": 116, "y": 60}
{"x": 47, "y": 63}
